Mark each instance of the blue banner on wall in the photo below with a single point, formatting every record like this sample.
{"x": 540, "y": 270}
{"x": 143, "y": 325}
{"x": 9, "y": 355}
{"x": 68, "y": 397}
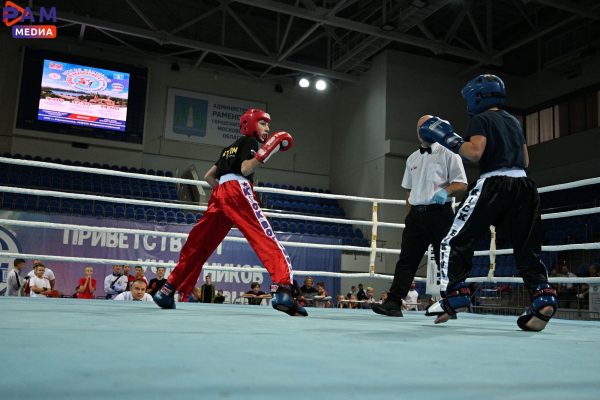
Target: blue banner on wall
{"x": 131, "y": 246}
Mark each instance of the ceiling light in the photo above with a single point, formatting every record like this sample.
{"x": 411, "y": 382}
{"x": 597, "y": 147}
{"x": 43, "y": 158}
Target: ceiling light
{"x": 304, "y": 83}
{"x": 321, "y": 84}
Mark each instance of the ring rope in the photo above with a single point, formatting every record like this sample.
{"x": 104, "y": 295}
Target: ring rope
{"x": 99, "y": 171}
{"x": 81, "y": 196}
{"x": 86, "y": 260}
{"x": 52, "y": 225}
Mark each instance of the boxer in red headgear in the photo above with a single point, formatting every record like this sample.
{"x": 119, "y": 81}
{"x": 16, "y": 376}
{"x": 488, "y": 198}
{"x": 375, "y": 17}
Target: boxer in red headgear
{"x": 233, "y": 202}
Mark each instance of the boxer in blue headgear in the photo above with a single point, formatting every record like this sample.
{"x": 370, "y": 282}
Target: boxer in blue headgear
{"x": 503, "y": 196}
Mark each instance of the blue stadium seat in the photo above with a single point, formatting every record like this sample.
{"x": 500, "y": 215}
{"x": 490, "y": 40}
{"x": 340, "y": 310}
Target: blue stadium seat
{"x": 119, "y": 211}
{"x": 190, "y": 218}
{"x": 98, "y": 210}
{"x": 170, "y": 215}
{"x": 65, "y": 206}
{"x": 109, "y": 211}
{"x": 169, "y": 174}
{"x": 275, "y": 225}
{"x": 140, "y": 214}
{"x": 130, "y": 213}
{"x": 161, "y": 216}
{"x": 198, "y": 216}
{"x": 54, "y": 205}
{"x": 19, "y": 203}
{"x": 87, "y": 208}
{"x": 180, "y": 217}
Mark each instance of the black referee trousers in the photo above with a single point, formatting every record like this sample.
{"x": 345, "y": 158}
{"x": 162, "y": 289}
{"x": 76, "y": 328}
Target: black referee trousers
{"x": 512, "y": 205}
{"x": 425, "y": 225}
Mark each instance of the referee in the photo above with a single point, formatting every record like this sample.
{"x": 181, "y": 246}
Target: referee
{"x": 432, "y": 176}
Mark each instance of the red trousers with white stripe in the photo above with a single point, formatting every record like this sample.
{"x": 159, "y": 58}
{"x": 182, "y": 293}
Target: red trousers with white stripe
{"x": 232, "y": 202}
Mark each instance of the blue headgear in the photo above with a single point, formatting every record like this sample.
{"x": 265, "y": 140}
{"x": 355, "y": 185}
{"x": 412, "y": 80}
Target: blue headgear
{"x": 483, "y": 92}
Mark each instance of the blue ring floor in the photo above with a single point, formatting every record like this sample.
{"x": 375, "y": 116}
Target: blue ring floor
{"x": 77, "y": 349}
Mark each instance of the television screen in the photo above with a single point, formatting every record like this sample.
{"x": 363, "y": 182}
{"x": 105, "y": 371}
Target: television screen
{"x": 81, "y": 95}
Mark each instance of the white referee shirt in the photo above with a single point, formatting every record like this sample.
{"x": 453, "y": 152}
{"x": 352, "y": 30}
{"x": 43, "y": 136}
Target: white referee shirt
{"x": 426, "y": 174}
{"x": 126, "y": 296}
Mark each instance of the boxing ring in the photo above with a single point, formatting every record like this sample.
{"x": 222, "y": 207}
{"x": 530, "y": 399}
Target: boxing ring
{"x": 65, "y": 348}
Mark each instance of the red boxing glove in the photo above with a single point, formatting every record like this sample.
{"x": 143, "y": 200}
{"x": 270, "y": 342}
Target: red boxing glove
{"x": 278, "y": 141}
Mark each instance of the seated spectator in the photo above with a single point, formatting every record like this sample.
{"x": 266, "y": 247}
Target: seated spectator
{"x": 411, "y": 301}
{"x": 130, "y": 278}
{"x": 139, "y": 274}
{"x": 195, "y": 296}
{"x": 353, "y": 301}
{"x": 115, "y": 283}
{"x": 137, "y": 292}
{"x": 341, "y": 301}
{"x": 157, "y": 283}
{"x": 307, "y": 292}
{"x": 369, "y": 299}
{"x": 14, "y": 282}
{"x": 584, "y": 289}
{"x": 87, "y": 285}
{"x": 351, "y": 292}
{"x": 208, "y": 290}
{"x": 566, "y": 291}
{"x": 40, "y": 285}
{"x": 383, "y": 297}
{"x": 322, "y": 299}
{"x": 219, "y": 298}
{"x": 255, "y": 296}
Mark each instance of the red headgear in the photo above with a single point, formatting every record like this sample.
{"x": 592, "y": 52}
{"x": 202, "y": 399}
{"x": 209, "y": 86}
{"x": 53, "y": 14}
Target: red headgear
{"x": 249, "y": 121}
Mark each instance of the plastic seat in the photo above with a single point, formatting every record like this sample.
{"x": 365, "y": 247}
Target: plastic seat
{"x": 190, "y": 218}
{"x": 54, "y": 205}
{"x": 130, "y": 213}
{"x": 109, "y": 211}
{"x": 180, "y": 217}
{"x": 170, "y": 216}
{"x": 87, "y": 209}
{"x": 160, "y": 216}
{"x": 98, "y": 210}
{"x": 65, "y": 206}
{"x": 140, "y": 214}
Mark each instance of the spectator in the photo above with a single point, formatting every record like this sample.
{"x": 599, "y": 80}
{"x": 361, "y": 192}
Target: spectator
{"x": 342, "y": 302}
{"x": 48, "y": 273}
{"x": 195, "y": 296}
{"x": 383, "y": 297}
{"x": 353, "y": 302}
{"x": 40, "y": 285}
{"x": 361, "y": 295}
{"x": 14, "y": 282}
{"x": 255, "y": 296}
{"x": 158, "y": 282}
{"x": 566, "y": 291}
{"x": 87, "y": 285}
{"x": 369, "y": 298}
{"x": 219, "y": 298}
{"x": 411, "y": 301}
{"x": 584, "y": 290}
{"x": 351, "y": 292}
{"x": 322, "y": 299}
{"x": 130, "y": 278}
{"x": 308, "y": 288}
{"x": 207, "y": 291}
{"x": 139, "y": 274}
{"x": 115, "y": 283}
{"x": 137, "y": 292}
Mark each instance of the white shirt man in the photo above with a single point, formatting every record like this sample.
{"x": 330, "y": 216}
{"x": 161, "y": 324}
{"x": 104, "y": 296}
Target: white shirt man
{"x": 115, "y": 283}
{"x": 412, "y": 300}
{"x": 137, "y": 292}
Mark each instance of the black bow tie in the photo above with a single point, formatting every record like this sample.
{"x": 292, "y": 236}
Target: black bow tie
{"x": 425, "y": 149}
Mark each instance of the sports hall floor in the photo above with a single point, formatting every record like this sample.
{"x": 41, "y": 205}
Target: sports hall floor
{"x": 73, "y": 349}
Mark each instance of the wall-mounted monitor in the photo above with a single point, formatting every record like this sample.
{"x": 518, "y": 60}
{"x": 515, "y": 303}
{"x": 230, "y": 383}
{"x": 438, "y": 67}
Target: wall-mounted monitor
{"x": 83, "y": 97}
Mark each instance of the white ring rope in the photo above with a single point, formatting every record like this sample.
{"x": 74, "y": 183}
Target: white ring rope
{"x": 52, "y": 225}
{"x": 374, "y": 223}
{"x": 81, "y": 196}
{"x": 100, "y": 171}
{"x": 87, "y": 260}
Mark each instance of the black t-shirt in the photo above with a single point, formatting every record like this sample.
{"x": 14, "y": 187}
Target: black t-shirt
{"x": 255, "y": 301}
{"x": 155, "y": 285}
{"x": 231, "y": 158}
{"x": 219, "y": 299}
{"x": 505, "y": 140}
{"x": 207, "y": 293}
{"x": 308, "y": 290}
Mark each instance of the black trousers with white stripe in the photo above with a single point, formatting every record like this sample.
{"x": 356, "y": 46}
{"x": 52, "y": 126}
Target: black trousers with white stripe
{"x": 512, "y": 205}
{"x": 425, "y": 225}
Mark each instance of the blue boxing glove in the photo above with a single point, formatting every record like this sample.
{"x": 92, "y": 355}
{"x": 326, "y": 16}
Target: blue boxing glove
{"x": 440, "y": 197}
{"x": 438, "y": 130}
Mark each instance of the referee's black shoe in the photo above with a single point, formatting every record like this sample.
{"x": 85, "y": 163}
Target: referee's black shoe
{"x": 390, "y": 308}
